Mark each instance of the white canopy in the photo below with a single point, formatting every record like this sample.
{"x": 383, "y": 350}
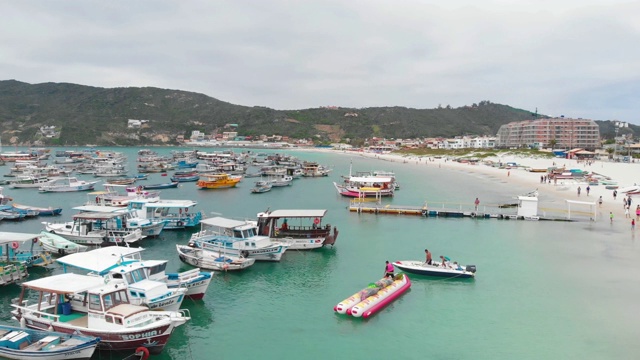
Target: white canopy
{"x": 65, "y": 283}
{"x": 371, "y": 179}
{"x": 9, "y": 237}
{"x": 98, "y": 260}
{"x": 294, "y": 213}
{"x": 223, "y": 222}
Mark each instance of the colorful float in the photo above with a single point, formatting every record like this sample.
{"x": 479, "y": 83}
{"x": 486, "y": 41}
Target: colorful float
{"x": 371, "y": 299}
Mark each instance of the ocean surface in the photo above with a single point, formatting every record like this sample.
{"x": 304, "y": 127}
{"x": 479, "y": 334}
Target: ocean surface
{"x": 554, "y": 290}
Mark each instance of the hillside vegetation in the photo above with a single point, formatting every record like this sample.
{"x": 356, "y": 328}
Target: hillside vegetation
{"x": 85, "y": 114}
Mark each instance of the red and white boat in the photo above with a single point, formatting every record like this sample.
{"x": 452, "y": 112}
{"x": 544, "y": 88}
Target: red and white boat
{"x": 83, "y": 304}
{"x": 373, "y": 298}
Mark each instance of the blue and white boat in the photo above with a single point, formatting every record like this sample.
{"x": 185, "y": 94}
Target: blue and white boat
{"x": 444, "y": 269}
{"x": 177, "y": 214}
{"x": 237, "y": 239}
{"x": 27, "y": 344}
{"x": 104, "y": 260}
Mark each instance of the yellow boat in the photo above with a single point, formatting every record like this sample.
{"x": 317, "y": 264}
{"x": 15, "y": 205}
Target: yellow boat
{"x": 218, "y": 181}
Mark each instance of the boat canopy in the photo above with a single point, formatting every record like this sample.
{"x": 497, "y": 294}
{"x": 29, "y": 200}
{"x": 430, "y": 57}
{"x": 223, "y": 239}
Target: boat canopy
{"x": 95, "y": 216}
{"x": 9, "y": 237}
{"x": 223, "y": 222}
{"x": 168, "y": 204}
{"x": 294, "y": 213}
{"x": 370, "y": 179}
{"x": 97, "y": 208}
{"x": 99, "y": 260}
{"x": 65, "y": 283}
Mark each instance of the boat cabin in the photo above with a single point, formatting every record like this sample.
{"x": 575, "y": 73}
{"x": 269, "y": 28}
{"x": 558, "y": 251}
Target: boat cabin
{"x": 292, "y": 223}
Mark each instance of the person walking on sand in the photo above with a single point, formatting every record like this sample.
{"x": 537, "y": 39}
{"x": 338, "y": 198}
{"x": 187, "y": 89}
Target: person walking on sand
{"x": 611, "y": 217}
{"x": 600, "y": 201}
{"x": 588, "y": 189}
{"x": 633, "y": 224}
{"x": 615, "y": 194}
{"x": 638, "y": 212}
{"x": 626, "y": 212}
{"x": 477, "y": 202}
{"x": 579, "y": 189}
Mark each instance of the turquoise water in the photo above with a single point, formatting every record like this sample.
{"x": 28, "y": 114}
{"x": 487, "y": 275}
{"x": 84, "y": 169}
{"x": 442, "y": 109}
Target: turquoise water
{"x": 543, "y": 289}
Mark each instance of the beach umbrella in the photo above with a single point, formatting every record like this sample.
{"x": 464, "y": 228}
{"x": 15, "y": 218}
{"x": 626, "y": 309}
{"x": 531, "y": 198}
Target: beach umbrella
{"x": 447, "y": 258}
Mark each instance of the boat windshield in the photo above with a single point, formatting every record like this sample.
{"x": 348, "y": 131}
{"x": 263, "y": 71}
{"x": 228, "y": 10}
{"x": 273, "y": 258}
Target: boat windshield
{"x": 114, "y": 299}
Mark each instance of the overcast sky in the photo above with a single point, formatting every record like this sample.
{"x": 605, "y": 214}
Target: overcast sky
{"x": 574, "y": 58}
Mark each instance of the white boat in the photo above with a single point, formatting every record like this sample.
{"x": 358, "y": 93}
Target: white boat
{"x": 279, "y": 181}
{"x": 131, "y": 217}
{"x": 27, "y": 344}
{"x": 237, "y": 239}
{"x": 85, "y": 305}
{"x": 301, "y": 229}
{"x": 58, "y": 245}
{"x": 177, "y": 214}
{"x": 101, "y": 261}
{"x": 156, "y": 295}
{"x": 68, "y": 184}
{"x": 28, "y": 182}
{"x": 212, "y": 260}
{"x": 261, "y": 187}
{"x": 436, "y": 269}
{"x": 95, "y": 228}
{"x": 20, "y": 248}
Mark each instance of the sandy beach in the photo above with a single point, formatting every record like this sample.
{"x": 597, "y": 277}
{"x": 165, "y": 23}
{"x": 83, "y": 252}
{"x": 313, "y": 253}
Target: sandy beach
{"x": 623, "y": 173}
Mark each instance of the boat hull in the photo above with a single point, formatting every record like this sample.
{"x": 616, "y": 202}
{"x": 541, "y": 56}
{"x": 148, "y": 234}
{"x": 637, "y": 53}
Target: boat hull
{"x": 43, "y": 345}
{"x": 420, "y": 268}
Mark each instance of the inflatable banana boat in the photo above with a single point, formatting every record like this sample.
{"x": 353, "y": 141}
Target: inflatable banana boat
{"x": 371, "y": 299}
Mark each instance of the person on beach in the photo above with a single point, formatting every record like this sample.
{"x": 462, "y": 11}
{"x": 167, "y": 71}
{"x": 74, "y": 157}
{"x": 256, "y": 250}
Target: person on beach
{"x": 626, "y": 212}
{"x": 588, "y": 189}
{"x": 477, "y": 202}
{"x": 615, "y": 194}
{"x": 638, "y": 212}
{"x": 579, "y": 189}
{"x": 429, "y": 260}
{"x": 388, "y": 270}
{"x": 633, "y": 224}
{"x": 600, "y": 201}
{"x": 611, "y": 217}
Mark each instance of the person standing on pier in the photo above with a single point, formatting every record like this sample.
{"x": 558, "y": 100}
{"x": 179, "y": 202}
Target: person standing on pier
{"x": 477, "y": 202}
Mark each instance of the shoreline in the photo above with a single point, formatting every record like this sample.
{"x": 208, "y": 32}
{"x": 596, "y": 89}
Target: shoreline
{"x": 562, "y": 190}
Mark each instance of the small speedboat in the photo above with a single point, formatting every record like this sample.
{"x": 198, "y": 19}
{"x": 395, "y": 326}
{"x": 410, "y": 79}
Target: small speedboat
{"x": 261, "y": 187}
{"x": 436, "y": 269}
{"x": 21, "y": 343}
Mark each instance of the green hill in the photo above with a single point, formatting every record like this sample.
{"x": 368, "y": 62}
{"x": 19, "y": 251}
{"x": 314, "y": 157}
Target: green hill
{"x": 85, "y": 114}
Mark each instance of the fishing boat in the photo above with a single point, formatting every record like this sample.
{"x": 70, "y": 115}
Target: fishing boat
{"x": 153, "y": 294}
{"x": 218, "y": 181}
{"x": 313, "y": 169}
{"x": 20, "y": 248}
{"x": 100, "y": 261}
{"x": 96, "y": 229}
{"x": 173, "y": 184}
{"x": 121, "y": 181}
{"x": 212, "y": 260}
{"x": 373, "y": 298}
{"x": 28, "y": 182}
{"x": 237, "y": 239}
{"x": 28, "y": 213}
{"x": 68, "y": 184}
{"x": 56, "y": 244}
{"x": 85, "y": 305}
{"x": 280, "y": 181}
{"x": 300, "y": 229}
{"x": 444, "y": 269}
{"x": 42, "y": 211}
{"x": 177, "y": 214}
{"x": 27, "y": 344}
{"x": 366, "y": 186}
{"x": 189, "y": 178}
{"x": 261, "y": 187}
